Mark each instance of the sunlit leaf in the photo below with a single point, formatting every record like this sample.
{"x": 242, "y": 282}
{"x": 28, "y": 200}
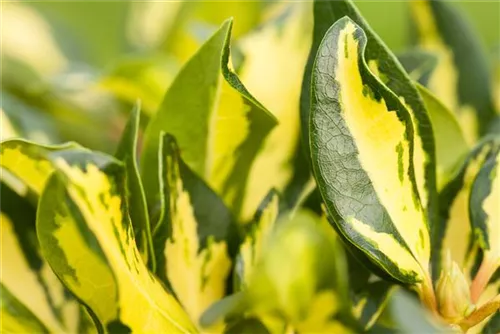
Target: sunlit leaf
{"x": 219, "y": 126}
{"x": 194, "y": 243}
{"x": 279, "y": 49}
{"x": 30, "y": 288}
{"x": 86, "y": 236}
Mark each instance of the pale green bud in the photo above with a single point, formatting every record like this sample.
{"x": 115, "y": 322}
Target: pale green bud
{"x": 453, "y": 293}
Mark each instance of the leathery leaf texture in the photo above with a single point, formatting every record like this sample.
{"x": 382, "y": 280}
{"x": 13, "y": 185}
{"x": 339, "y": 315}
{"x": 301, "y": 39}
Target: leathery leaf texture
{"x": 362, "y": 145}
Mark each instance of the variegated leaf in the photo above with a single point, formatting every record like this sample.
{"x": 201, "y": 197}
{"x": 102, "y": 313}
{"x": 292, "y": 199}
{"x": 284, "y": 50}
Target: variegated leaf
{"x": 257, "y": 233}
{"x": 362, "y": 141}
{"x": 32, "y": 297}
{"x": 384, "y": 65}
{"x": 462, "y": 78}
{"x": 485, "y": 206}
{"x": 86, "y": 236}
{"x": 136, "y": 199}
{"x": 451, "y": 146}
{"x": 28, "y": 165}
{"x": 484, "y": 213}
{"x": 453, "y": 232}
{"x": 219, "y": 125}
{"x": 16, "y": 318}
{"x": 196, "y": 239}
{"x": 279, "y": 49}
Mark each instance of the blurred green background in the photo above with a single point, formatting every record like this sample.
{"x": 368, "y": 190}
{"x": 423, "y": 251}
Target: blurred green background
{"x": 71, "y": 65}
{"x": 95, "y": 32}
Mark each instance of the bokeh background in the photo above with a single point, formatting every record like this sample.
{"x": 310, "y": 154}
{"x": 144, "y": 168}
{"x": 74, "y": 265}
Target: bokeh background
{"x": 68, "y": 64}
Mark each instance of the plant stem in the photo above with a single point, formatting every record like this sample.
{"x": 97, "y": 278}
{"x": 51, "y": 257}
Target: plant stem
{"x": 488, "y": 267}
{"x": 480, "y": 314}
{"x": 428, "y": 297}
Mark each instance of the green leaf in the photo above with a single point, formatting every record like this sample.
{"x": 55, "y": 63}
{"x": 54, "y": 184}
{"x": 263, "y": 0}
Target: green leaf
{"x": 195, "y": 241}
{"x": 383, "y": 64}
{"x": 279, "y": 49}
{"x": 300, "y": 282}
{"x": 371, "y": 302}
{"x": 86, "y": 236}
{"x": 257, "y": 233}
{"x": 462, "y": 78}
{"x": 451, "y": 146}
{"x": 136, "y": 199}
{"x": 218, "y": 124}
{"x": 419, "y": 64}
{"x": 410, "y": 317}
{"x": 361, "y": 141}
{"x": 454, "y": 232}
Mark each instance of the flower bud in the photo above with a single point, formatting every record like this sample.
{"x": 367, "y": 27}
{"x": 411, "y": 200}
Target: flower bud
{"x": 453, "y": 293}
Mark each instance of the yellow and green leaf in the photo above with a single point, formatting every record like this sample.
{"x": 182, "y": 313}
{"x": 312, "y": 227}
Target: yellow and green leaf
{"x": 462, "y": 78}
{"x": 86, "y": 235}
{"x": 454, "y": 232}
{"x": 484, "y": 204}
{"x": 136, "y": 199}
{"x": 218, "y": 124}
{"x": 16, "y": 318}
{"x": 279, "y": 49}
{"x": 257, "y": 233}
{"x": 195, "y": 241}
{"x": 31, "y": 288}
{"x": 362, "y": 142}
{"x": 384, "y": 65}
{"x": 28, "y": 163}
